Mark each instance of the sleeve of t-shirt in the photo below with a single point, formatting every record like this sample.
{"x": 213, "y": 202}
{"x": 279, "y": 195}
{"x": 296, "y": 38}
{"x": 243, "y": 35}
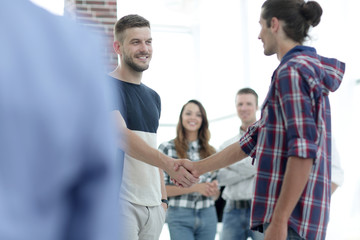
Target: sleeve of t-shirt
{"x": 114, "y": 103}
{"x": 117, "y": 100}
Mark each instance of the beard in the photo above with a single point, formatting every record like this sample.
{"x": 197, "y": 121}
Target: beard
{"x": 136, "y": 67}
{"x": 269, "y": 49}
{"x": 268, "y": 53}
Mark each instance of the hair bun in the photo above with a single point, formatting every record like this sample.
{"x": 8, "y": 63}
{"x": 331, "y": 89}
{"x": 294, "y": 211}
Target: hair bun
{"x": 312, "y": 12}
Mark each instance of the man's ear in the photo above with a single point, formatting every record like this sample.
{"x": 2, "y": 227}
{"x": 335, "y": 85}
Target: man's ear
{"x": 117, "y": 46}
{"x": 275, "y": 24}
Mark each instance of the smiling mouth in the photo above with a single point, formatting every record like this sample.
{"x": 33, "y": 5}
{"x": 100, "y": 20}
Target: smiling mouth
{"x": 143, "y": 58}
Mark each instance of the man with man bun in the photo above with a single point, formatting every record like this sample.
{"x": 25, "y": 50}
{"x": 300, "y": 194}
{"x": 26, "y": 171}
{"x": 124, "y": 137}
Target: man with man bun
{"x": 291, "y": 143}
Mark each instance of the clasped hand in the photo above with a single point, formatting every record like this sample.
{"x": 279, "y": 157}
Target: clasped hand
{"x": 185, "y": 173}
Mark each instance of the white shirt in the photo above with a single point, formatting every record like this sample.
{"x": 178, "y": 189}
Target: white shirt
{"x": 239, "y": 177}
{"x": 337, "y": 173}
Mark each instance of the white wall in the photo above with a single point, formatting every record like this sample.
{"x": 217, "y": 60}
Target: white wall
{"x": 337, "y": 36}
{"x": 53, "y": 6}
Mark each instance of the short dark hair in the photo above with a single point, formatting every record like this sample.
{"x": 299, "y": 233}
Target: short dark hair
{"x": 128, "y": 21}
{"x": 249, "y": 91}
{"x": 298, "y": 16}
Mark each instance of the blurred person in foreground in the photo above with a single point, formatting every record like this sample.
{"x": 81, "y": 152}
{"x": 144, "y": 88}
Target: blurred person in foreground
{"x": 292, "y": 140}
{"x": 58, "y": 176}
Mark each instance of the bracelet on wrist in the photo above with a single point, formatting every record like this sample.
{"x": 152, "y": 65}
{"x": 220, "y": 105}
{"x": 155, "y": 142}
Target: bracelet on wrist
{"x": 165, "y": 201}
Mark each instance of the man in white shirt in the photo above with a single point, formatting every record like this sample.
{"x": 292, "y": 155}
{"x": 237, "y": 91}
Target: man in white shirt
{"x": 238, "y": 178}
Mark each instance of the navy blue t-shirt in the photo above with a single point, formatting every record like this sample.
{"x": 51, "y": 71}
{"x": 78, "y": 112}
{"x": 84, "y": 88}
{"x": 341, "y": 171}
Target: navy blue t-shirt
{"x": 139, "y": 105}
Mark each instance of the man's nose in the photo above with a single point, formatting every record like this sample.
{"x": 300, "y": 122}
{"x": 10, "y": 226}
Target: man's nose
{"x": 144, "y": 47}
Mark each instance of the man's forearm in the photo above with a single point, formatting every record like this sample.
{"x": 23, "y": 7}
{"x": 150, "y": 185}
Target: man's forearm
{"x": 162, "y": 183}
{"x": 134, "y": 146}
{"x": 226, "y": 157}
{"x": 296, "y": 177}
{"x": 137, "y": 148}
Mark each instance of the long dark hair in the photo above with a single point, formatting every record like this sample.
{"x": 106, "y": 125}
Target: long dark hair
{"x": 181, "y": 144}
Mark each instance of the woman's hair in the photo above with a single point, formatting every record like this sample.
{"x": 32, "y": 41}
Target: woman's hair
{"x": 181, "y": 144}
{"x": 298, "y": 16}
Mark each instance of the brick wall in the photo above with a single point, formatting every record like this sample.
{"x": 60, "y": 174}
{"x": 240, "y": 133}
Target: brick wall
{"x": 100, "y": 16}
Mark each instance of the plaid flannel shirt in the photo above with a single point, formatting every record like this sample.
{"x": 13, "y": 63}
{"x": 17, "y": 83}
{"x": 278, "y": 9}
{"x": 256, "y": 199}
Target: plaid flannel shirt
{"x": 192, "y": 200}
{"x": 295, "y": 121}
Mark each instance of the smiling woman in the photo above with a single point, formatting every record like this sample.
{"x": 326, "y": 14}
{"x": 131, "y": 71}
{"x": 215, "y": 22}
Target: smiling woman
{"x": 53, "y": 6}
{"x": 195, "y": 204}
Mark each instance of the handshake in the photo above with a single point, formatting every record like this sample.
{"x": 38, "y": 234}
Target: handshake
{"x": 186, "y": 173}
{"x": 183, "y": 172}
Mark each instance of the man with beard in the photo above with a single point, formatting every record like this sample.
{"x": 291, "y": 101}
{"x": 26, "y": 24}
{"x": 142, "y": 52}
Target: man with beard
{"x": 137, "y": 111}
